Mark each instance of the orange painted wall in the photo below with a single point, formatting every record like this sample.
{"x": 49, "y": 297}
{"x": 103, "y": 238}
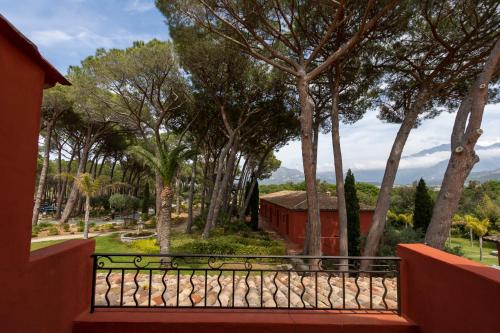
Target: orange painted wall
{"x": 447, "y": 293}
{"x": 42, "y": 292}
{"x": 292, "y": 224}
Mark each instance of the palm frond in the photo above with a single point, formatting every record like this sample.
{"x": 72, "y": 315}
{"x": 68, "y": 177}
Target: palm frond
{"x": 87, "y": 185}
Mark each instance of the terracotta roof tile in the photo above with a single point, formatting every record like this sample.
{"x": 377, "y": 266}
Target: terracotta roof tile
{"x": 296, "y": 200}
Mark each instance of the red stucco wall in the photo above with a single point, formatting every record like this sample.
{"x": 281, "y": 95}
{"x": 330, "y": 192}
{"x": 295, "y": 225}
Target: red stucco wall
{"x": 292, "y": 224}
{"x": 43, "y": 291}
{"x": 21, "y": 84}
{"x": 447, "y": 293}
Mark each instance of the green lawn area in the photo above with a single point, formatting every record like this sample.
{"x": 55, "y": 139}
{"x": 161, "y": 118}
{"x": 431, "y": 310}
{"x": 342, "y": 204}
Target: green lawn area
{"x": 39, "y": 245}
{"x": 472, "y": 252}
{"x": 219, "y": 243}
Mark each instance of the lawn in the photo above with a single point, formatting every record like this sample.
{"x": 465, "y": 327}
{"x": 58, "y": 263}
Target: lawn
{"x": 472, "y": 252}
{"x": 253, "y": 243}
{"x": 39, "y": 245}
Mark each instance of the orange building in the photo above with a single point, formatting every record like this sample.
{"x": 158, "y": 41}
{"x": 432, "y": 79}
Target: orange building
{"x": 286, "y": 211}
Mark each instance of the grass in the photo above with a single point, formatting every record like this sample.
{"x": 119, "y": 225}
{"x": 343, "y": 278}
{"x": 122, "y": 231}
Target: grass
{"x": 472, "y": 252}
{"x": 251, "y": 243}
{"x": 39, "y": 245}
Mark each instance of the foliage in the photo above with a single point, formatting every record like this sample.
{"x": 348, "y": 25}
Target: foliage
{"x": 123, "y": 202}
{"x": 146, "y": 201}
{"x": 400, "y": 220}
{"x": 477, "y": 226}
{"x": 424, "y": 205}
{"x": 53, "y": 231}
{"x": 403, "y": 199}
{"x": 167, "y": 162}
{"x": 394, "y": 235}
{"x": 352, "y": 206}
{"x": 87, "y": 184}
{"x": 456, "y": 250}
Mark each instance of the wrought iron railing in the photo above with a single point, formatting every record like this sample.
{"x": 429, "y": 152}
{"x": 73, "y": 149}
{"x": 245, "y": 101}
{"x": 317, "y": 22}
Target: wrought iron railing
{"x": 249, "y": 282}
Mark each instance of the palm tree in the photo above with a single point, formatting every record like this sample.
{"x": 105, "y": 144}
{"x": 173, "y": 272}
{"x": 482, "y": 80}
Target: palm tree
{"x": 480, "y": 228}
{"x": 89, "y": 187}
{"x": 166, "y": 163}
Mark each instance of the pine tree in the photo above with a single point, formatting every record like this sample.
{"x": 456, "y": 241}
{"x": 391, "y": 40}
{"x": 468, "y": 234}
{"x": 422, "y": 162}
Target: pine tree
{"x": 423, "y": 207}
{"x": 352, "y": 206}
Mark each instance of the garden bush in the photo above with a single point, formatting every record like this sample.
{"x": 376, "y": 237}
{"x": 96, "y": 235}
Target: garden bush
{"x": 53, "y": 231}
{"x": 394, "y": 235}
{"x": 66, "y": 227}
{"x": 43, "y": 225}
{"x": 456, "y": 250}
{"x": 80, "y": 225}
{"x": 149, "y": 246}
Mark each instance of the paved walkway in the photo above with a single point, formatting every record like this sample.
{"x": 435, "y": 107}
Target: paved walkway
{"x": 75, "y": 236}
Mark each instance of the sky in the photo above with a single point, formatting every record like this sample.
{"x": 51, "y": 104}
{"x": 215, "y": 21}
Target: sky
{"x": 67, "y": 31}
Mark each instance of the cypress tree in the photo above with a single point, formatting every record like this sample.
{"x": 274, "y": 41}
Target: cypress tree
{"x": 352, "y": 206}
{"x": 254, "y": 207}
{"x": 424, "y": 205}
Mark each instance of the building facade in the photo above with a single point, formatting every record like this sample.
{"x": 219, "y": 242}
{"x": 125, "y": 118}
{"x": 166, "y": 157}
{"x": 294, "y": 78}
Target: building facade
{"x": 286, "y": 212}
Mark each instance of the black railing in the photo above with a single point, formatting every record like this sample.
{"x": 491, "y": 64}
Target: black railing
{"x": 248, "y": 282}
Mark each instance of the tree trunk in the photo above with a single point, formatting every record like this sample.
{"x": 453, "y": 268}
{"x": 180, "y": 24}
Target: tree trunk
{"x": 191, "y": 196}
{"x": 178, "y": 191}
{"x": 306, "y": 120}
{"x": 73, "y": 196}
{"x": 466, "y": 132}
{"x": 165, "y": 220}
{"x": 87, "y": 216}
{"x": 257, "y": 172}
{"x": 204, "y": 183}
{"x": 226, "y": 181}
{"x": 216, "y": 187}
{"x": 480, "y": 248}
{"x": 339, "y": 172}
{"x": 158, "y": 189}
{"x": 113, "y": 170}
{"x": 43, "y": 175}
{"x": 391, "y": 168}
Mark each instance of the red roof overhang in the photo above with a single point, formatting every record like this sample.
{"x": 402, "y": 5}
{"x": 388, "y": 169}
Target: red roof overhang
{"x": 52, "y": 75}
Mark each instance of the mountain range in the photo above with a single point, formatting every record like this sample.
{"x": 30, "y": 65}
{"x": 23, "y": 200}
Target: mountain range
{"x": 429, "y": 164}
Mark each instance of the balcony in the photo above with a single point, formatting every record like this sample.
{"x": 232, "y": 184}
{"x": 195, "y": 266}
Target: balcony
{"x": 245, "y": 282}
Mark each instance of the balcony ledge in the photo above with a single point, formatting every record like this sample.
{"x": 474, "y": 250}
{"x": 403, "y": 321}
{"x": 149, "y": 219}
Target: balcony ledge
{"x": 203, "y": 320}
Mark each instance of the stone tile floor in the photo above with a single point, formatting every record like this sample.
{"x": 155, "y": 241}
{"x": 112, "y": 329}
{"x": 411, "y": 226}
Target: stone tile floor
{"x": 248, "y": 291}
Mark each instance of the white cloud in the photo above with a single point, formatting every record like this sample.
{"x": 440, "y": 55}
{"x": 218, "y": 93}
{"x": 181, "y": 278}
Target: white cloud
{"x": 367, "y": 143}
{"x": 50, "y": 37}
{"x": 140, "y": 5}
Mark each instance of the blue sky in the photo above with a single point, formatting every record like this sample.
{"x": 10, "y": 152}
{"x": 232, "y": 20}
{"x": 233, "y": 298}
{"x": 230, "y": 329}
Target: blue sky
{"x": 66, "y": 31}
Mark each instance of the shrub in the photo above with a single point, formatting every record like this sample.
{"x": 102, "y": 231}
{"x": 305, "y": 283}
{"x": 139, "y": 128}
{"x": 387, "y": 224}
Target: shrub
{"x": 393, "y": 236}
{"x": 236, "y": 226}
{"x": 66, "y": 227}
{"x": 44, "y": 225}
{"x": 456, "y": 250}
{"x": 80, "y": 226}
{"x": 145, "y": 246}
{"x": 53, "y": 231}
{"x": 34, "y": 234}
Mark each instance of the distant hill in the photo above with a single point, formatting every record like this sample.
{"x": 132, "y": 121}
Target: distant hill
{"x": 285, "y": 175}
{"x": 488, "y": 168}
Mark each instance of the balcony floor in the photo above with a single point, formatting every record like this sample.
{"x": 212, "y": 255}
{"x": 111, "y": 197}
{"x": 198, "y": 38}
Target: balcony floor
{"x": 242, "y": 321}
